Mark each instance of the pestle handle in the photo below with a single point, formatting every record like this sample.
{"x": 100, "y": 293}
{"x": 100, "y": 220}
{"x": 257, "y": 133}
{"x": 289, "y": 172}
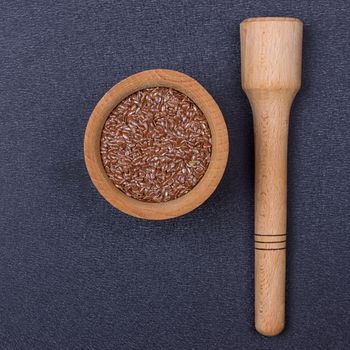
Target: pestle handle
{"x": 271, "y": 140}
{"x": 271, "y": 76}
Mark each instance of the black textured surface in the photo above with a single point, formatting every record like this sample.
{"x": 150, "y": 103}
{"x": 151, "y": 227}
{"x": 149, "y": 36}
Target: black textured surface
{"x": 77, "y": 274}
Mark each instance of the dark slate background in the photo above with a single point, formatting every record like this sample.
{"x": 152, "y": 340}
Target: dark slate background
{"x": 77, "y": 274}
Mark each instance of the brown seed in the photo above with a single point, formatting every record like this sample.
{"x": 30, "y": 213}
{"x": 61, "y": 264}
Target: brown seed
{"x": 156, "y": 145}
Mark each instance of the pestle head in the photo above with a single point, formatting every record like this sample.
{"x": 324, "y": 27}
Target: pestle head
{"x": 271, "y": 50}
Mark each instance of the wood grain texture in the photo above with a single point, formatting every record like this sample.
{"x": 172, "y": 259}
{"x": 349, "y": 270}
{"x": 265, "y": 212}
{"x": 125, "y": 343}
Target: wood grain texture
{"x": 216, "y": 168}
{"x": 271, "y": 76}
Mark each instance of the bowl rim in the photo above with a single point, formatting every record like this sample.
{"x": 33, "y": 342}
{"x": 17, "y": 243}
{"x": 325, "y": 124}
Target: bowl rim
{"x": 220, "y": 145}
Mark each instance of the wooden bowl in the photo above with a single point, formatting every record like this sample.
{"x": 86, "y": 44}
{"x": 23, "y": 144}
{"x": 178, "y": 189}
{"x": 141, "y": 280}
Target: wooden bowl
{"x": 211, "y": 178}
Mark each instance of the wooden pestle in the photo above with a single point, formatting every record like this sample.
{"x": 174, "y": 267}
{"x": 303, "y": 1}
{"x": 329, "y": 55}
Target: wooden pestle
{"x": 271, "y": 76}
